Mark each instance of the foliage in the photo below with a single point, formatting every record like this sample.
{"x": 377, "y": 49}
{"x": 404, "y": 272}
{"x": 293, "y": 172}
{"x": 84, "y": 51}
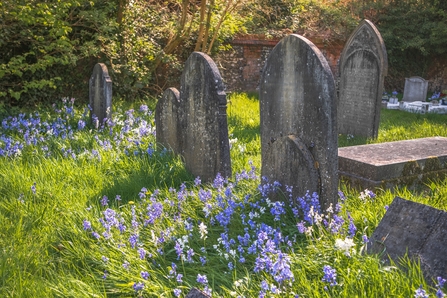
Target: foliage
{"x": 49, "y": 47}
{"x": 413, "y": 32}
{"x": 332, "y": 20}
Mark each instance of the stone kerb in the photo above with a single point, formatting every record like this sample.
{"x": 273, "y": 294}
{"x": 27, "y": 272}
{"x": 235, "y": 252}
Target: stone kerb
{"x": 298, "y": 120}
{"x": 167, "y": 120}
{"x": 415, "y": 89}
{"x": 203, "y": 120}
{"x": 100, "y": 95}
{"x": 363, "y": 66}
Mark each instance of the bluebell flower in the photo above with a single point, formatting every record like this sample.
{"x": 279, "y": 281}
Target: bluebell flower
{"x": 177, "y": 292}
{"x": 126, "y": 265}
{"x": 33, "y": 188}
{"x": 138, "y": 286}
{"x": 142, "y": 253}
{"x": 203, "y": 260}
{"x": 179, "y": 278}
{"x": 420, "y": 293}
{"x": 365, "y": 239}
{"x": 81, "y": 124}
{"x": 144, "y": 274}
{"x": 96, "y": 235}
{"x": 133, "y": 239}
{"x": 330, "y": 275}
{"x": 202, "y": 279}
{"x": 87, "y": 225}
{"x": 277, "y": 210}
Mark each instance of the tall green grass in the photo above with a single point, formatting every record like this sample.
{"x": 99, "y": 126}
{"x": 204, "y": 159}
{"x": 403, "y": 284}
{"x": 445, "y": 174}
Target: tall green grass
{"x": 45, "y": 252}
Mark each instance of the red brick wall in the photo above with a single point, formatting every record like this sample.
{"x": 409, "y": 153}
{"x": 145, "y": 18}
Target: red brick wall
{"x": 241, "y": 66}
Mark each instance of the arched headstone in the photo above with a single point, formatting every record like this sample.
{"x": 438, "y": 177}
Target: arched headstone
{"x": 167, "y": 120}
{"x": 203, "y": 119}
{"x": 100, "y": 94}
{"x": 363, "y": 66}
{"x": 298, "y": 120}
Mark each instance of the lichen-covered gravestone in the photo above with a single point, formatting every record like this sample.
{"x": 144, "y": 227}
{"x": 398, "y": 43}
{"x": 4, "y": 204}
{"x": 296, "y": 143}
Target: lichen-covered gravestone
{"x": 415, "y": 89}
{"x": 298, "y": 120}
{"x": 363, "y": 66}
{"x": 414, "y": 229}
{"x": 203, "y": 120}
{"x": 100, "y": 95}
{"x": 166, "y": 120}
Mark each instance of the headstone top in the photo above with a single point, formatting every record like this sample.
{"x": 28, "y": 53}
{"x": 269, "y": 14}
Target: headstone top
{"x": 363, "y": 66}
{"x": 366, "y": 37}
{"x": 415, "y": 89}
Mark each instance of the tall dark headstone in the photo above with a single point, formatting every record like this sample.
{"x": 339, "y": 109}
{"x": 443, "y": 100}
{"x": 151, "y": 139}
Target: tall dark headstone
{"x": 363, "y": 66}
{"x": 414, "y": 229}
{"x": 100, "y": 94}
{"x": 203, "y": 119}
{"x": 167, "y": 120}
{"x": 298, "y": 120}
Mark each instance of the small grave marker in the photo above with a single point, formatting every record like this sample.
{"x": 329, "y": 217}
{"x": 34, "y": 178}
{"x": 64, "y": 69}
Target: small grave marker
{"x": 203, "y": 119}
{"x": 416, "y": 229}
{"x": 298, "y": 128}
{"x": 167, "y": 120}
{"x": 100, "y": 94}
{"x": 415, "y": 89}
{"x": 363, "y": 66}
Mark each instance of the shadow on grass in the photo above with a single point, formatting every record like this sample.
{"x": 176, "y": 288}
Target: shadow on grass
{"x": 161, "y": 171}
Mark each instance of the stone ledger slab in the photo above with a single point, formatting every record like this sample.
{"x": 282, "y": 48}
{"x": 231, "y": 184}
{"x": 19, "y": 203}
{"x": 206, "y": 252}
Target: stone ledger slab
{"x": 414, "y": 229}
{"x": 385, "y": 165}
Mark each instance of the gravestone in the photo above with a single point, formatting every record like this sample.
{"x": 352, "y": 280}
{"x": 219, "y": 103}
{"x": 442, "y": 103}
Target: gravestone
{"x": 416, "y": 229}
{"x": 415, "y": 89}
{"x": 363, "y": 66}
{"x": 100, "y": 94}
{"x": 203, "y": 120}
{"x": 166, "y": 120}
{"x": 298, "y": 120}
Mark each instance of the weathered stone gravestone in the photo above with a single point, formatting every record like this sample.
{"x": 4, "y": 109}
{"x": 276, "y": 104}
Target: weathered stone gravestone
{"x": 415, "y": 89}
{"x": 100, "y": 94}
{"x": 363, "y": 66}
{"x": 167, "y": 120}
{"x": 416, "y": 229}
{"x": 203, "y": 119}
{"x": 298, "y": 120}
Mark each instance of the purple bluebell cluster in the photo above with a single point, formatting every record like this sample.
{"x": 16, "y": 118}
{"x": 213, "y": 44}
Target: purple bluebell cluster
{"x": 132, "y": 133}
{"x": 262, "y": 241}
{"x": 330, "y": 275}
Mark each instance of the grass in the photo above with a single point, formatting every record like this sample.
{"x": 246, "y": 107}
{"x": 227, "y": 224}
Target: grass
{"x": 165, "y": 227}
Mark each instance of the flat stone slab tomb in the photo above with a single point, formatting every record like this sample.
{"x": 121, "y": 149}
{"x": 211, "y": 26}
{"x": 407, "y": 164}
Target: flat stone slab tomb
{"x": 385, "y": 165}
